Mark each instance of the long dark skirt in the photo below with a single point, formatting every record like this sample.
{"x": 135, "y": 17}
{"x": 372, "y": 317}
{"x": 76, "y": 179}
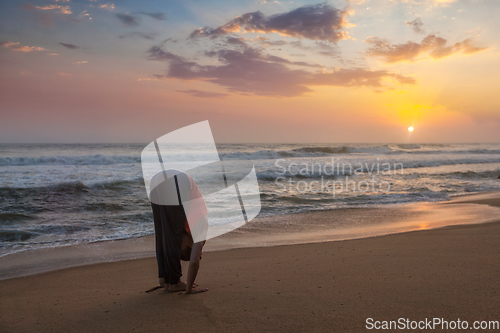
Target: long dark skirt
{"x": 169, "y": 228}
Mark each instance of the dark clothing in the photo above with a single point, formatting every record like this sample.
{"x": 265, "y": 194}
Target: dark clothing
{"x": 173, "y": 201}
{"x": 169, "y": 228}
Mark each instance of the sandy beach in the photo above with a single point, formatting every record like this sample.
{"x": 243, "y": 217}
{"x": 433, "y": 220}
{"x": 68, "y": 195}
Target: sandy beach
{"x": 449, "y": 273}
{"x": 336, "y": 165}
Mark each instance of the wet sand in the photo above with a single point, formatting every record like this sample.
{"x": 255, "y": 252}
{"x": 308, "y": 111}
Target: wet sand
{"x": 450, "y": 273}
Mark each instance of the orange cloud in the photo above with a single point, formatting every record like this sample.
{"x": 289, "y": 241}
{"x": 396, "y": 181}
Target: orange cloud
{"x": 315, "y": 22}
{"x": 431, "y": 46}
{"x": 60, "y": 9}
{"x": 253, "y": 72}
{"x": 108, "y": 6}
{"x": 18, "y": 47}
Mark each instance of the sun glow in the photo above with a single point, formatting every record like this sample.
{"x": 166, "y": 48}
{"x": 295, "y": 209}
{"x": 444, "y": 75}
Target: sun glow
{"x": 410, "y": 128}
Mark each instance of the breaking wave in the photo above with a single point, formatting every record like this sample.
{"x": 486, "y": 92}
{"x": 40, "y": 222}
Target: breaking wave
{"x": 96, "y": 159}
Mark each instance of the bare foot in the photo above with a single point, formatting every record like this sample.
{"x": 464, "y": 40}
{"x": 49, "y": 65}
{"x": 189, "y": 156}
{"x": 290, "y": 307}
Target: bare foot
{"x": 197, "y": 290}
{"x": 162, "y": 282}
{"x": 181, "y": 286}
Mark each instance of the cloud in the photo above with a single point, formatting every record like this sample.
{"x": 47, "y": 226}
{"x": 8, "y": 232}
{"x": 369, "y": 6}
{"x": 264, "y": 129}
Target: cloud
{"x": 249, "y": 53}
{"x": 443, "y": 2}
{"x": 252, "y": 72}
{"x": 324, "y": 48}
{"x": 127, "y": 20}
{"x": 57, "y": 8}
{"x": 157, "y": 16}
{"x": 316, "y": 22}
{"x": 358, "y": 77}
{"x": 236, "y": 41}
{"x": 145, "y": 35}
{"x": 266, "y": 42}
{"x": 22, "y": 48}
{"x": 159, "y": 77}
{"x": 202, "y": 94}
{"x": 327, "y": 49}
{"x": 157, "y": 53}
{"x": 81, "y": 62}
{"x": 431, "y": 46}
{"x": 130, "y": 20}
{"x": 416, "y": 25}
{"x": 45, "y": 15}
{"x": 245, "y": 43}
{"x": 84, "y": 14}
{"x": 318, "y": 47}
{"x": 70, "y": 46}
{"x": 107, "y": 6}
{"x": 171, "y": 40}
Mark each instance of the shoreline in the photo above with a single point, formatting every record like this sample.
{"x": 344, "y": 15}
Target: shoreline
{"x": 458, "y": 211}
{"x": 449, "y": 273}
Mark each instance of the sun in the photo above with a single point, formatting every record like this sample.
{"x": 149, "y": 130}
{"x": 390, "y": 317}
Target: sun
{"x": 410, "y": 128}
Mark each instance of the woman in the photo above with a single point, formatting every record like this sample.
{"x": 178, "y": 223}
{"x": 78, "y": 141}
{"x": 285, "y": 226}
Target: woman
{"x": 181, "y": 224}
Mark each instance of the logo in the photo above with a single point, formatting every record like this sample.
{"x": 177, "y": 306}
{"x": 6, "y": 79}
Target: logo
{"x": 187, "y": 157}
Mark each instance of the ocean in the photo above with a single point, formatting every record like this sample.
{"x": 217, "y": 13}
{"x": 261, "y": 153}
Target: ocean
{"x": 54, "y": 195}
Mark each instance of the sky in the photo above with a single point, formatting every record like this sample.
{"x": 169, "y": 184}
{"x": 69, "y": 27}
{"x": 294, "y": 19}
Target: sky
{"x": 259, "y": 71}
